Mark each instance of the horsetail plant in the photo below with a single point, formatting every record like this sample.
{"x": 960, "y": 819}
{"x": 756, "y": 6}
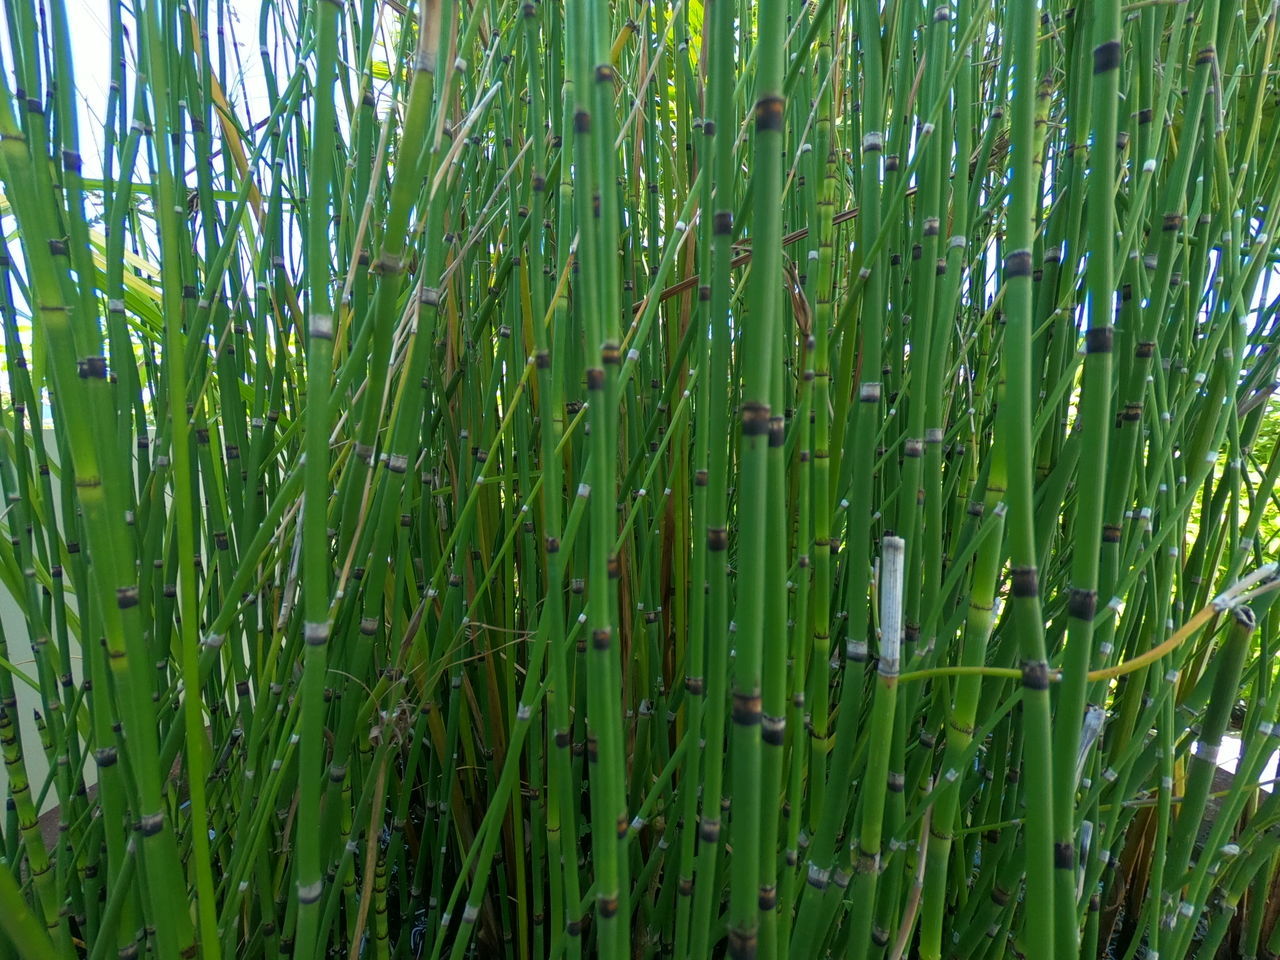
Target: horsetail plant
{"x": 652, "y": 478}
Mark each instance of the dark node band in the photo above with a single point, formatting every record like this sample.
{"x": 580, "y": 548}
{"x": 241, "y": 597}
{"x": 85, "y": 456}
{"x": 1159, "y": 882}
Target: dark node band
{"x": 602, "y": 638}
{"x": 1145, "y": 350}
{"x": 604, "y": 73}
{"x": 582, "y": 122}
{"x": 742, "y": 945}
{"x": 717, "y": 539}
{"x": 963, "y": 728}
{"x": 879, "y": 936}
{"x": 106, "y": 756}
{"x": 695, "y": 686}
{"x": 773, "y": 730}
{"x": 1064, "y": 856}
{"x": 127, "y": 597}
{"x": 1099, "y": 339}
{"x": 709, "y": 831}
{"x": 1132, "y": 412}
{"x": 1106, "y": 57}
{"x": 595, "y": 379}
{"x": 92, "y": 368}
{"x": 999, "y": 896}
{"x": 1026, "y": 582}
{"x": 768, "y": 899}
{"x": 1018, "y": 264}
{"x": 1207, "y": 55}
{"x": 151, "y": 824}
{"x": 769, "y": 113}
{"x": 1245, "y": 617}
{"x": 755, "y": 419}
{"x": 1172, "y": 221}
{"x": 777, "y": 432}
{"x": 609, "y": 353}
{"x": 1111, "y": 533}
{"x": 722, "y": 222}
{"x": 746, "y": 709}
{"x": 1083, "y": 604}
{"x": 1035, "y": 675}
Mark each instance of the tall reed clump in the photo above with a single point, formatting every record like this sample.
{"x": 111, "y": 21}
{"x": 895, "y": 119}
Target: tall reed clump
{"x": 641, "y": 479}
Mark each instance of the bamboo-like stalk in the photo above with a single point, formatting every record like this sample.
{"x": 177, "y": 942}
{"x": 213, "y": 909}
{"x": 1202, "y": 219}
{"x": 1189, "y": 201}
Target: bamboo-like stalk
{"x": 759, "y": 435}
{"x": 1016, "y": 430}
{"x": 1096, "y": 416}
{"x": 867, "y": 859}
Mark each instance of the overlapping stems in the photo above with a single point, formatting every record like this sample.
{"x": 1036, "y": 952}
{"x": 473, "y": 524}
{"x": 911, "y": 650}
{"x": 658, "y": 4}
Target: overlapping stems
{"x": 667, "y": 478}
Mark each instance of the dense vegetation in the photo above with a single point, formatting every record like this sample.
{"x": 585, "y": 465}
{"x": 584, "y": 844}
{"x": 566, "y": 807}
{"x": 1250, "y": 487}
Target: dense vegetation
{"x": 649, "y": 478}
